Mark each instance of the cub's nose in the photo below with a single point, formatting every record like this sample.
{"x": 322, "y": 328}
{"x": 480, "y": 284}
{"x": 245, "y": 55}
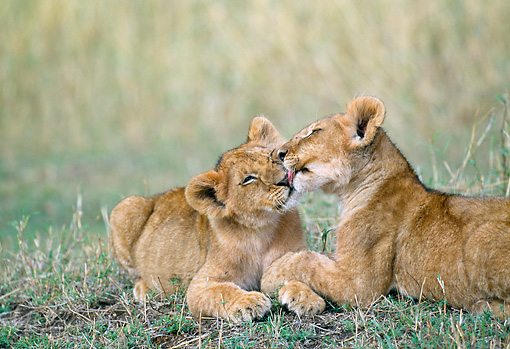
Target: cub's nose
{"x": 282, "y": 153}
{"x": 278, "y": 155}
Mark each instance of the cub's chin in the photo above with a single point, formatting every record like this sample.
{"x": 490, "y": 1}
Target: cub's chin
{"x": 292, "y": 200}
{"x": 305, "y": 185}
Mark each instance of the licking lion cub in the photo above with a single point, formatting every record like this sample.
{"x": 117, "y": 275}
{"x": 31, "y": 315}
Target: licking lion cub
{"x": 217, "y": 235}
{"x": 394, "y": 233}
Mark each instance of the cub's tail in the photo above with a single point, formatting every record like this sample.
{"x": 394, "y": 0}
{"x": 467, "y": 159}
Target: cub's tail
{"x": 127, "y": 222}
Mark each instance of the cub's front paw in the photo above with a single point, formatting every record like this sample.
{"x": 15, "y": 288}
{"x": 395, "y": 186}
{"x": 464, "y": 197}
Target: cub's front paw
{"x": 247, "y": 307}
{"x": 301, "y": 299}
{"x": 278, "y": 273}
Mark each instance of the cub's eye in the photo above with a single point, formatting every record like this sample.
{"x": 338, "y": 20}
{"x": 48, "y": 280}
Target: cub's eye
{"x": 248, "y": 179}
{"x": 312, "y": 132}
{"x": 304, "y": 170}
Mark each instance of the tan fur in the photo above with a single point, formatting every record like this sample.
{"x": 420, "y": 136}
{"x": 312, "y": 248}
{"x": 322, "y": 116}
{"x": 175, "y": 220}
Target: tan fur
{"x": 394, "y": 232}
{"x": 217, "y": 235}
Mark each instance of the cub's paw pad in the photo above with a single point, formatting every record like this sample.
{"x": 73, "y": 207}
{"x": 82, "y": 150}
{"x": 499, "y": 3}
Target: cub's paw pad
{"x": 249, "y": 306}
{"x": 301, "y": 299}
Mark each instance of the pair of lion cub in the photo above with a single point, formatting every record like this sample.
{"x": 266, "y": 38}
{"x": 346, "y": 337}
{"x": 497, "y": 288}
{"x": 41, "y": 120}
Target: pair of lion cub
{"x": 234, "y": 230}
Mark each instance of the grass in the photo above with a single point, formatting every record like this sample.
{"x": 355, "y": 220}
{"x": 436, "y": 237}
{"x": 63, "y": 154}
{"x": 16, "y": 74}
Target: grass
{"x": 100, "y": 100}
{"x": 65, "y": 291}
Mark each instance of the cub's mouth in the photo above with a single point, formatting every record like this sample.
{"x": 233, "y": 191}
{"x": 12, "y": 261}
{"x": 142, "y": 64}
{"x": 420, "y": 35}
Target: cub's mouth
{"x": 290, "y": 177}
{"x": 283, "y": 198}
{"x": 292, "y": 173}
{"x": 287, "y": 182}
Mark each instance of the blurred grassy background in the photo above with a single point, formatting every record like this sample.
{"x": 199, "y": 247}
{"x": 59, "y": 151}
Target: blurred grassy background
{"x": 112, "y": 98}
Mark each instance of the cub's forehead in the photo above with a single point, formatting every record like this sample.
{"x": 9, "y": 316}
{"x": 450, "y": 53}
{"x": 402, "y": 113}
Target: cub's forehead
{"x": 244, "y": 157}
{"x": 321, "y": 123}
{"x": 327, "y": 120}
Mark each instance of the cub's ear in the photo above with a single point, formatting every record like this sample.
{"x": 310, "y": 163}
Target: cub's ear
{"x": 201, "y": 194}
{"x": 263, "y": 131}
{"x": 364, "y": 116}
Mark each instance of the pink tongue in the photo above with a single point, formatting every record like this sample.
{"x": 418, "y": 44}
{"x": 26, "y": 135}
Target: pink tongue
{"x": 290, "y": 177}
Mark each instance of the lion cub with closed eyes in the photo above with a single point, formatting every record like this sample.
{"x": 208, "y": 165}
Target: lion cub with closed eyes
{"x": 394, "y": 233}
{"x": 217, "y": 235}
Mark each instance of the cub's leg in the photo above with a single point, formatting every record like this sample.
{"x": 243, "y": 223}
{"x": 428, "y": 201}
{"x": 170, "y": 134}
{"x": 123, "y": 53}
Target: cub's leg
{"x": 500, "y": 309}
{"x": 127, "y": 222}
{"x": 293, "y": 274}
{"x": 340, "y": 282}
{"x": 207, "y": 296}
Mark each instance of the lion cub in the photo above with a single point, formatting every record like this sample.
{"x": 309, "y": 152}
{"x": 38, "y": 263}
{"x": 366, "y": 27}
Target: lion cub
{"x": 217, "y": 235}
{"x": 394, "y": 233}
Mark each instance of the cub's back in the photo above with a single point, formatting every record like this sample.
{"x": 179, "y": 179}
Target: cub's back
{"x": 480, "y": 208}
{"x": 174, "y": 242}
